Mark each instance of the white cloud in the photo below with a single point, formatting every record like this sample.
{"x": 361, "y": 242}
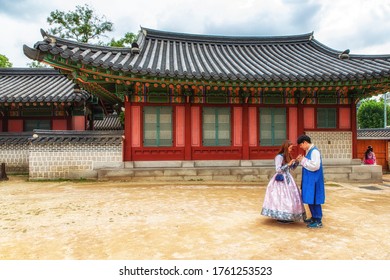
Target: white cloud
{"x": 360, "y": 25}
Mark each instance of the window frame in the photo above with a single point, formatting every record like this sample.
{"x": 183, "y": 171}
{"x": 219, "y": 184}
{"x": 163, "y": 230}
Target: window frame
{"x": 47, "y": 121}
{"x": 326, "y": 120}
{"x": 217, "y": 124}
{"x": 158, "y": 114}
{"x": 272, "y": 123}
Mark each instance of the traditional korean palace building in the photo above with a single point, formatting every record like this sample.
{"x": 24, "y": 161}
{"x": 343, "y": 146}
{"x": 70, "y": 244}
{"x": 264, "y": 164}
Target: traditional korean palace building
{"x": 40, "y": 98}
{"x": 196, "y": 98}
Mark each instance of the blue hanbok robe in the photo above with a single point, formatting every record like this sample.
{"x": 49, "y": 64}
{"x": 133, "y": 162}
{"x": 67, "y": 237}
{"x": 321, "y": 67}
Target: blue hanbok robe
{"x": 313, "y": 185}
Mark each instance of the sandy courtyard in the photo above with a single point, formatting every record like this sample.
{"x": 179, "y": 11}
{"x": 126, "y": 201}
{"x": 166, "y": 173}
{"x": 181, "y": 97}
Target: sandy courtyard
{"x": 121, "y": 220}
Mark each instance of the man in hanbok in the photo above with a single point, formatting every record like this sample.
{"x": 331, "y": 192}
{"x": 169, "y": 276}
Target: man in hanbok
{"x": 313, "y": 186}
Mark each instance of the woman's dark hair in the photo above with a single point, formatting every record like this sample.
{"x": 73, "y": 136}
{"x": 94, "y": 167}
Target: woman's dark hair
{"x": 369, "y": 150}
{"x": 284, "y": 151}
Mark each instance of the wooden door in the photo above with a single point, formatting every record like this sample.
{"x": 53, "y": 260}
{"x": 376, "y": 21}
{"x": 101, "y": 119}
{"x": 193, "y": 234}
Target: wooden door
{"x": 380, "y": 150}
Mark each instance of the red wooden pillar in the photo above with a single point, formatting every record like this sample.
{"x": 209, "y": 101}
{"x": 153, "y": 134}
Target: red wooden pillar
{"x": 187, "y": 141}
{"x": 300, "y": 124}
{"x": 354, "y": 128}
{"x": 245, "y": 132}
{"x": 127, "y": 140}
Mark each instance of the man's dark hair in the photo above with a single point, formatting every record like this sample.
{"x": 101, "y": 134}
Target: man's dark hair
{"x": 303, "y": 138}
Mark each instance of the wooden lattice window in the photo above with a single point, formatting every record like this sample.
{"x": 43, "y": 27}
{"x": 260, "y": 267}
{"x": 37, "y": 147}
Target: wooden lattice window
{"x": 157, "y": 126}
{"x": 30, "y": 125}
{"x": 272, "y": 126}
{"x": 326, "y": 118}
{"x": 216, "y": 126}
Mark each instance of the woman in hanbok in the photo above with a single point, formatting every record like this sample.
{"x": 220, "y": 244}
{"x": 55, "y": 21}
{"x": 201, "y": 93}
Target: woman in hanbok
{"x": 283, "y": 200}
{"x": 369, "y": 156}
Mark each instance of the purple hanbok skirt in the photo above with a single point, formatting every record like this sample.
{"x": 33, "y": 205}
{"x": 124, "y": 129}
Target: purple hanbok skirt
{"x": 283, "y": 200}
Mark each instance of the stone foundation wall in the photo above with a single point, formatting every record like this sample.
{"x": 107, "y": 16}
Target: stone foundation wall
{"x": 73, "y": 154}
{"x": 72, "y": 161}
{"x": 259, "y": 171}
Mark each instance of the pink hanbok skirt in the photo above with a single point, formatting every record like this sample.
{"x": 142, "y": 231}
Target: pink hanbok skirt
{"x": 283, "y": 200}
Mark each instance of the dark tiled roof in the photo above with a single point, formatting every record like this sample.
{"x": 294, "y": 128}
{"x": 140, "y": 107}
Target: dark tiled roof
{"x": 109, "y": 122}
{"x": 41, "y": 136}
{"x": 37, "y": 85}
{"x": 374, "y": 133}
{"x": 178, "y": 55}
{"x": 14, "y": 138}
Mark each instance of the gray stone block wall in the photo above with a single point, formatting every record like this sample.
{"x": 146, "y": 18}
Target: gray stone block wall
{"x": 333, "y": 144}
{"x": 71, "y": 161}
{"x": 15, "y": 157}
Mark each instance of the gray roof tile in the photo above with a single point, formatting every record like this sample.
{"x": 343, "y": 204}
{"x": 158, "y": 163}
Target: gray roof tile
{"x": 41, "y": 136}
{"x": 237, "y": 58}
{"x": 109, "y": 122}
{"x": 373, "y": 133}
{"x": 37, "y": 85}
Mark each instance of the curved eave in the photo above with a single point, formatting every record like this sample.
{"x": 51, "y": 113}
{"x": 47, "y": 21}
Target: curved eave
{"x": 297, "y": 58}
{"x": 33, "y": 54}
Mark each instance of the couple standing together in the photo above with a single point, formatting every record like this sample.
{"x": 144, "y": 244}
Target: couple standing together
{"x": 283, "y": 200}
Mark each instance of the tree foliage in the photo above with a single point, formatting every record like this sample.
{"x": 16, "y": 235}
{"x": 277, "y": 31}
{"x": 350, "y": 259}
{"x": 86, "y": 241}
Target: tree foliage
{"x": 123, "y": 42}
{"x": 37, "y": 64}
{"x": 4, "y": 61}
{"x": 81, "y": 25}
{"x": 371, "y": 114}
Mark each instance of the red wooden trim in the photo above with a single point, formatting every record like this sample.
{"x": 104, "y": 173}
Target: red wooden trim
{"x": 187, "y": 145}
{"x": 179, "y": 134}
{"x": 15, "y": 125}
{"x": 344, "y": 118}
{"x": 158, "y": 153}
{"x": 253, "y": 126}
{"x": 353, "y": 128}
{"x": 59, "y": 124}
{"x": 127, "y": 141}
{"x": 245, "y": 132}
{"x": 210, "y": 153}
{"x": 292, "y": 113}
{"x": 196, "y": 130}
{"x": 136, "y": 125}
{"x": 300, "y": 126}
{"x": 309, "y": 118}
{"x": 263, "y": 152}
{"x": 237, "y": 126}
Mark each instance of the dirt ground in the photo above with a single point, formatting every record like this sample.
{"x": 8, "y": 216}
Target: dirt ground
{"x": 188, "y": 221}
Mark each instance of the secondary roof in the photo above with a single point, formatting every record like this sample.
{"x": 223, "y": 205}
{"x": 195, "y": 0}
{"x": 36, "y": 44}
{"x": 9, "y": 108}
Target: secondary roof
{"x": 37, "y": 85}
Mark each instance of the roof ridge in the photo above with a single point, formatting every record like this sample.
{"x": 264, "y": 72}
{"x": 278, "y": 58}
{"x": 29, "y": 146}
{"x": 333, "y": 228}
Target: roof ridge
{"x": 28, "y": 71}
{"x": 241, "y": 39}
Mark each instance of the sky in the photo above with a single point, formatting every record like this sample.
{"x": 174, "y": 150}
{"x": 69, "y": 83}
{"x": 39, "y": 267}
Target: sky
{"x": 363, "y": 26}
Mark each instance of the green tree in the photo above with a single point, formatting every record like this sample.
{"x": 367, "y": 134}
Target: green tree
{"x": 4, "y": 61}
{"x": 371, "y": 114}
{"x": 82, "y": 24}
{"x": 37, "y": 64}
{"x": 123, "y": 42}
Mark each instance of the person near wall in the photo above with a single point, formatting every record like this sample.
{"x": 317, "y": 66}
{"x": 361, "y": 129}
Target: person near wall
{"x": 369, "y": 156}
{"x": 313, "y": 183}
{"x": 282, "y": 199}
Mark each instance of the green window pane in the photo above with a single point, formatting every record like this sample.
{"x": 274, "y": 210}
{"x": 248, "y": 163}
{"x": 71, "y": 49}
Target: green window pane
{"x": 216, "y": 126}
{"x": 326, "y": 118}
{"x": 30, "y": 125}
{"x": 272, "y": 126}
{"x": 157, "y": 126}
